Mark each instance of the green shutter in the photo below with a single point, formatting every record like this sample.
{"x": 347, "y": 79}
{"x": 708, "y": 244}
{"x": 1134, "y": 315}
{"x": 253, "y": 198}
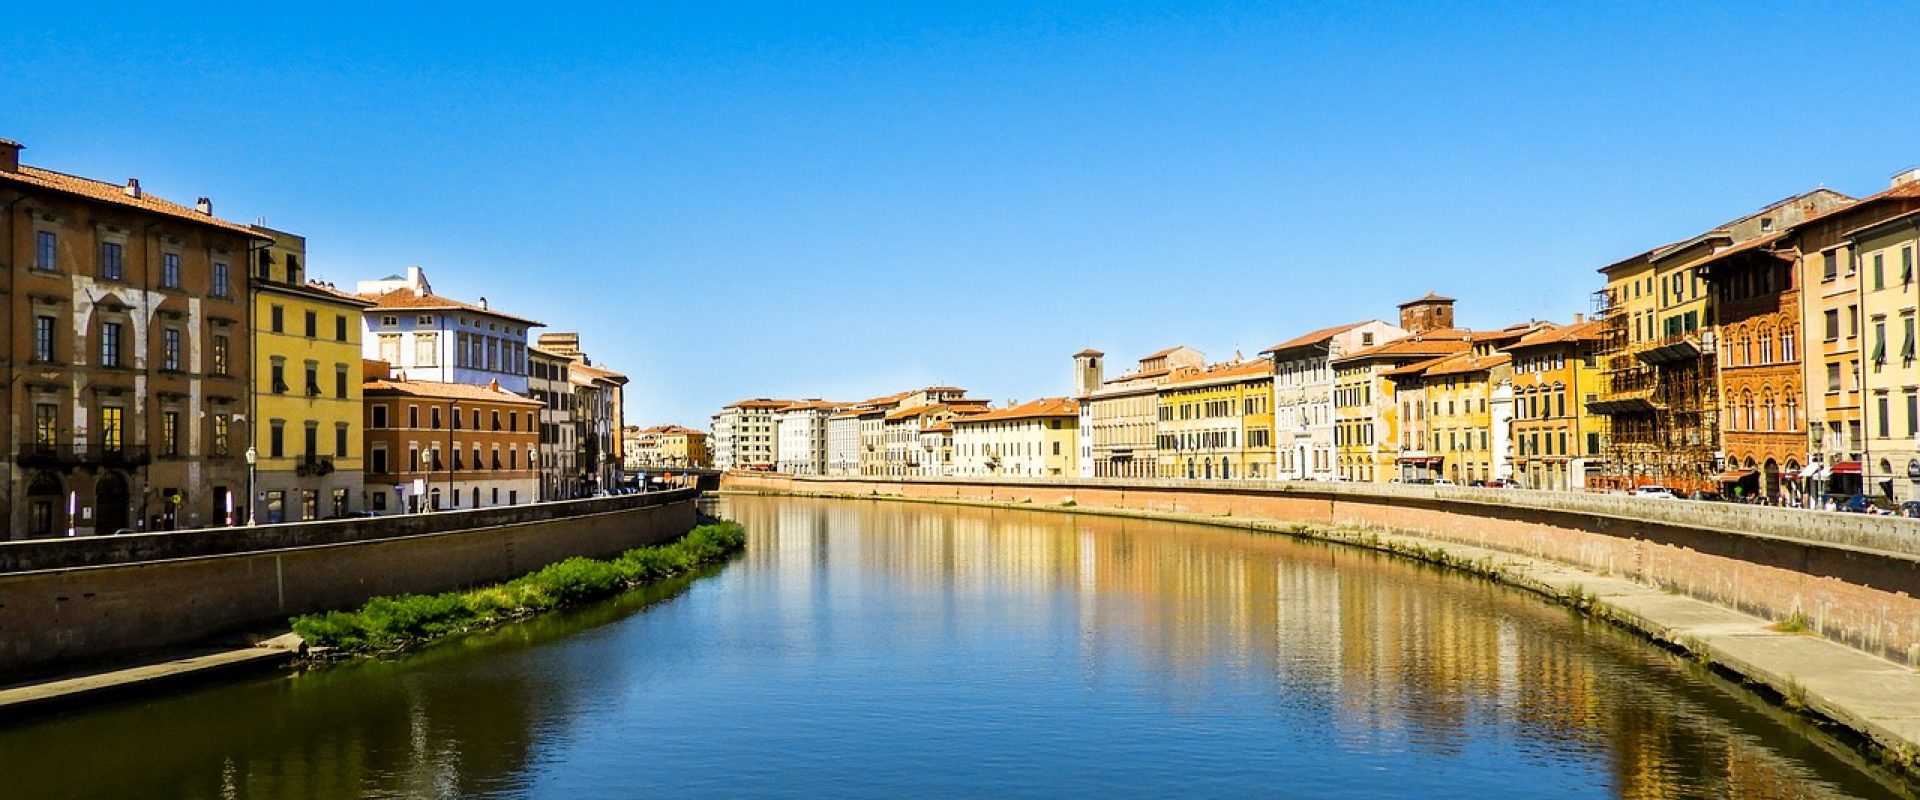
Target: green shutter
{"x": 1879, "y": 344}
{"x": 1906, "y": 348}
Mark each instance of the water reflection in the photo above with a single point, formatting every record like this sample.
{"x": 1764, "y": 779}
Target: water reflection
{"x": 881, "y": 649}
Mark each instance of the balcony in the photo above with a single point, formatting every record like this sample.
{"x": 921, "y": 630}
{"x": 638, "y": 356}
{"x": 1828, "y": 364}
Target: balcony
{"x": 69, "y": 456}
{"x": 313, "y": 465}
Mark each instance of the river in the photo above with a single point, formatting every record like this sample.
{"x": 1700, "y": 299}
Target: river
{"x": 877, "y": 649}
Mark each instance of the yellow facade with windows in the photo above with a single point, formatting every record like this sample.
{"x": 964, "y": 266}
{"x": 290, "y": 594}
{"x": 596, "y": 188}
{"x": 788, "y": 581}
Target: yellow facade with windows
{"x": 1556, "y": 436}
{"x": 1217, "y": 423}
{"x": 307, "y": 418}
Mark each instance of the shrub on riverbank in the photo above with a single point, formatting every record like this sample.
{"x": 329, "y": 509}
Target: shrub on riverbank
{"x": 389, "y": 622}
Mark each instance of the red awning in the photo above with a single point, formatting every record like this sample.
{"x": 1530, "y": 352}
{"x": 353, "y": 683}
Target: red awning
{"x": 1736, "y": 475}
{"x": 1845, "y": 468}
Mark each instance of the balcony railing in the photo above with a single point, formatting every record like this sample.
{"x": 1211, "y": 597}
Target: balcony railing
{"x": 64, "y": 456}
{"x": 313, "y": 465}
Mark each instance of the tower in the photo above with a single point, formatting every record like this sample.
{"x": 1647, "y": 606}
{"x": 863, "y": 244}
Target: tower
{"x": 1428, "y": 313}
{"x": 1086, "y": 372}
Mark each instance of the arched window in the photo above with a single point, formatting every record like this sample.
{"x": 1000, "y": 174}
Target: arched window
{"x": 1769, "y": 419}
{"x": 1746, "y": 408}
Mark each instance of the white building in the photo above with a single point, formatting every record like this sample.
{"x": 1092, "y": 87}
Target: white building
{"x": 802, "y": 436}
{"x": 744, "y": 435}
{"x": 843, "y": 442}
{"x": 1303, "y": 418}
{"x": 1119, "y": 417}
{"x": 427, "y": 337}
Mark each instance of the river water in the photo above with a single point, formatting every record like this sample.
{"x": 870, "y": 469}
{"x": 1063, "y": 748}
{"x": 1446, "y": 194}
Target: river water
{"x": 873, "y": 649}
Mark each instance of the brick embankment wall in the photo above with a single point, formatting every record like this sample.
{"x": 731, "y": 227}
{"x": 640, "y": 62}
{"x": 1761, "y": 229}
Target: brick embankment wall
{"x": 67, "y": 616}
{"x": 1853, "y": 578}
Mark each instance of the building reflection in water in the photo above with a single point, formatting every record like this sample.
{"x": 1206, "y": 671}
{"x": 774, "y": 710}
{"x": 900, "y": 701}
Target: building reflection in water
{"x": 1378, "y": 654}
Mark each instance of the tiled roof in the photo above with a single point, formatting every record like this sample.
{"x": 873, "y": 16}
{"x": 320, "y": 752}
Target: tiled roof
{"x": 1467, "y": 362}
{"x": 1044, "y": 407}
{"x": 1431, "y": 343}
{"x": 913, "y": 411}
{"x": 116, "y": 194}
{"x": 760, "y": 402}
{"x": 580, "y": 373}
{"x": 1417, "y": 367}
{"x": 1089, "y": 352}
{"x": 811, "y": 405}
{"x": 1315, "y": 337}
{"x": 938, "y": 427}
{"x": 405, "y": 299}
{"x": 1220, "y": 372}
{"x": 448, "y": 391}
{"x": 1430, "y": 297}
{"x": 1890, "y": 220}
{"x": 1160, "y": 353}
{"x": 1585, "y": 332}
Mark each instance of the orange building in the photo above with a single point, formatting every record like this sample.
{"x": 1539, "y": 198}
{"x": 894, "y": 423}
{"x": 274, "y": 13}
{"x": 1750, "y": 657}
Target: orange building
{"x": 433, "y": 445}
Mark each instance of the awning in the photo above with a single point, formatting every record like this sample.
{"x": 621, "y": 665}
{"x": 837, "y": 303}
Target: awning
{"x": 1814, "y": 471}
{"x": 1623, "y": 405}
{"x": 1846, "y": 468}
{"x": 1433, "y": 460}
{"x": 1676, "y": 350}
{"x": 1736, "y": 475}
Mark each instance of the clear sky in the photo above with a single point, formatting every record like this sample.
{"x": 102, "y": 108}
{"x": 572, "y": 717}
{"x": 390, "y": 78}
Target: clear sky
{"x": 839, "y": 201}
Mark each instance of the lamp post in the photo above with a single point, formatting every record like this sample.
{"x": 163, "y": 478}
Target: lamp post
{"x": 253, "y": 457}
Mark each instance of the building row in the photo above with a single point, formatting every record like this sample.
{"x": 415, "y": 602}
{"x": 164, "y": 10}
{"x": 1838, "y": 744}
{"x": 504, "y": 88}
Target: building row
{"x": 165, "y": 368}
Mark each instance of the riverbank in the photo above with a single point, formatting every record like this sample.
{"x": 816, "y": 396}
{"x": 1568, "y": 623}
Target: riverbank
{"x": 1875, "y": 700}
{"x": 388, "y": 624}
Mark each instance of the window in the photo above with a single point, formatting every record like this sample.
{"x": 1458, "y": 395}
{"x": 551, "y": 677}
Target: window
{"x": 434, "y": 415}
{"x": 426, "y": 350}
{"x": 313, "y": 324}
{"x": 379, "y": 416}
{"x": 1879, "y": 342}
{"x": 110, "y": 429}
{"x": 389, "y": 321}
{"x": 1906, "y": 265}
{"x": 313, "y": 379}
{"x": 45, "y": 246}
{"x": 110, "y": 344}
{"x": 1831, "y": 270}
{"x": 170, "y": 349}
{"x": 170, "y": 271}
{"x": 170, "y": 433}
{"x": 1833, "y": 378}
{"x": 278, "y": 319}
{"x": 340, "y": 439}
{"x": 1880, "y": 406}
{"x": 277, "y": 439}
{"x": 311, "y": 440}
{"x": 340, "y": 381}
{"x": 1906, "y": 343}
{"x": 339, "y": 327}
{"x": 46, "y": 424}
{"x": 112, "y": 267}
{"x": 219, "y": 354}
{"x": 379, "y": 458}
{"x": 424, "y": 319}
{"x": 222, "y": 280}
{"x": 221, "y": 422}
{"x": 43, "y": 339}
{"x": 1833, "y": 324}
{"x": 1879, "y": 271}
{"x": 278, "y": 373}
{"x": 1853, "y": 321}
{"x": 413, "y": 416}
{"x": 390, "y": 347}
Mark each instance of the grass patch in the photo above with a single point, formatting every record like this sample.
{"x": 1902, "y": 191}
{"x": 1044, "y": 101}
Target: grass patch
{"x": 387, "y": 623}
{"x": 1794, "y": 623}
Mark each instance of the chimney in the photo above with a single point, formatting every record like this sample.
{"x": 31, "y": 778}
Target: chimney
{"x": 1579, "y": 318}
{"x": 10, "y": 155}
{"x": 417, "y": 281}
{"x": 1904, "y": 177}
{"x": 204, "y": 205}
{"x": 133, "y": 188}
{"x": 483, "y": 302}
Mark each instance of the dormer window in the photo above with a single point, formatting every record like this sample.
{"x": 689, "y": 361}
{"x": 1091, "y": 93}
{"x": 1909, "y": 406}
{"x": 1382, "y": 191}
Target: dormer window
{"x": 388, "y": 322}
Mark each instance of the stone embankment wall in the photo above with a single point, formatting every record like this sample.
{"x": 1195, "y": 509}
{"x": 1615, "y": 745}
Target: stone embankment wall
{"x": 64, "y": 603}
{"x": 1852, "y": 578}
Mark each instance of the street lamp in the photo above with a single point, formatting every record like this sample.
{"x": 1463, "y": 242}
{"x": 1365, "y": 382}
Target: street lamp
{"x": 253, "y": 457}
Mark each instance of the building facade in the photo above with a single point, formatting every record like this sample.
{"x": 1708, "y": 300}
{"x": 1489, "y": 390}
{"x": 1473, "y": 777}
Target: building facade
{"x": 432, "y": 338}
{"x": 664, "y": 447}
{"x": 801, "y": 429}
{"x": 447, "y": 446}
{"x": 1365, "y": 412}
{"x": 1120, "y": 416}
{"x": 1556, "y": 439}
{"x": 548, "y": 383}
{"x": 307, "y": 381}
{"x": 1029, "y": 440}
{"x": 1303, "y": 416}
{"x": 1217, "y": 423}
{"x": 127, "y": 357}
{"x": 745, "y": 436}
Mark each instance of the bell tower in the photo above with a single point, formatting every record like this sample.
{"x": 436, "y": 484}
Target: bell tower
{"x": 1086, "y": 371}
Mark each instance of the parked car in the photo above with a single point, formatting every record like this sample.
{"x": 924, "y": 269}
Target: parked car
{"x": 1656, "y": 492}
{"x": 1444, "y": 482}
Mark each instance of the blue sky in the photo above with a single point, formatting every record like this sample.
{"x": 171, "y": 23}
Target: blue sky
{"x": 824, "y": 200}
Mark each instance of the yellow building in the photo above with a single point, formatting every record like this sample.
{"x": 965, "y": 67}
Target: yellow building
{"x": 1031, "y": 440}
{"x": 1366, "y": 433}
{"x": 1556, "y": 437}
{"x": 306, "y": 413}
{"x": 1217, "y": 423}
{"x": 663, "y": 447}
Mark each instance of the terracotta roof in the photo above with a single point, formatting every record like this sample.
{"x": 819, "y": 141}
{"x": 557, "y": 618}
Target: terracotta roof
{"x": 577, "y": 371}
{"x": 1314, "y": 337}
{"x": 1897, "y": 218}
{"x": 849, "y": 413}
{"x": 938, "y": 427}
{"x": 1586, "y": 332}
{"x": 1254, "y": 368}
{"x": 1044, "y": 407}
{"x": 1136, "y": 375}
{"x": 810, "y": 405}
{"x": 1416, "y": 367}
{"x": 405, "y": 299}
{"x": 1431, "y": 343}
{"x": 1467, "y": 362}
{"x": 116, "y": 194}
{"x": 759, "y": 402}
{"x": 448, "y": 391}
{"x": 1429, "y": 297}
{"x": 911, "y": 412}
{"x": 1088, "y": 352}
{"x": 942, "y": 389}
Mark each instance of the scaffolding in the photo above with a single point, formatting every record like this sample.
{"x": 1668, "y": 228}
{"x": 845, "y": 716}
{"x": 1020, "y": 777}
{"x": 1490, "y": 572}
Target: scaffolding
{"x": 1659, "y": 399}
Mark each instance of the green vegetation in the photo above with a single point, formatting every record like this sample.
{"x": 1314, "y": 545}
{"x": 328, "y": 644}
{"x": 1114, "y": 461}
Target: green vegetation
{"x": 386, "y": 623}
{"x": 1794, "y": 623}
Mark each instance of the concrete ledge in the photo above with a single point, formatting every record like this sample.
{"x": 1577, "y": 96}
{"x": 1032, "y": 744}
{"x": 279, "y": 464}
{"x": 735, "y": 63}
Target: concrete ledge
{"x": 39, "y": 698}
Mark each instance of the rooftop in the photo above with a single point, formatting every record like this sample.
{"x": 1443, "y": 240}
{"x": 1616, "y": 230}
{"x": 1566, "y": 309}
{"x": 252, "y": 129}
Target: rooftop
{"x": 128, "y": 195}
{"x": 1044, "y": 407}
{"x": 1314, "y": 338}
{"x": 448, "y": 391}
